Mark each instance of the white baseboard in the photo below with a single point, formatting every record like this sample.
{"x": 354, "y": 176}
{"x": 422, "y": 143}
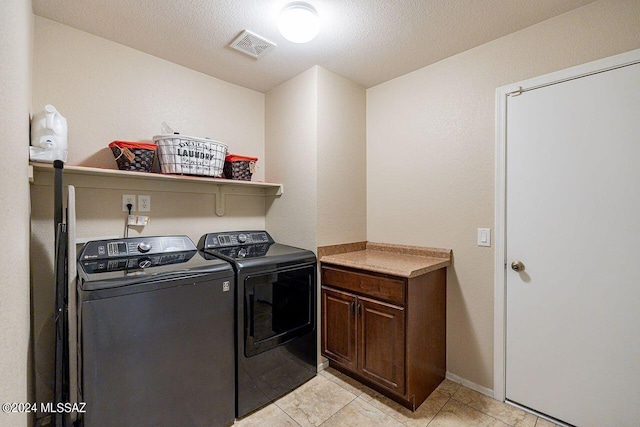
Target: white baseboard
{"x": 323, "y": 365}
{"x": 473, "y": 386}
{"x": 538, "y": 414}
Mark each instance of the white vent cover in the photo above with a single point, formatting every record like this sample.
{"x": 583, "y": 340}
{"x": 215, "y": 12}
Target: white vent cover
{"x": 252, "y": 44}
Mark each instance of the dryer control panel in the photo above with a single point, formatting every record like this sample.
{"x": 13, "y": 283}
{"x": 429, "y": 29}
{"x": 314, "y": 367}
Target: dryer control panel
{"x": 234, "y": 238}
{"x": 135, "y": 246}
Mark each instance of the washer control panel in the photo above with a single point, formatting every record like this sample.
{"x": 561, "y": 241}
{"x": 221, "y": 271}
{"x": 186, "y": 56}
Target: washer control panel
{"x": 93, "y": 266}
{"x": 133, "y": 246}
{"x": 234, "y": 238}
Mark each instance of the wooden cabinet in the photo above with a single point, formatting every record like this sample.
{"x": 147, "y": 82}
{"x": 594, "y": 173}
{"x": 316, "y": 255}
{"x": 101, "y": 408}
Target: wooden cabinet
{"x": 381, "y": 343}
{"x": 364, "y": 335}
{"x": 339, "y": 327}
{"x": 388, "y": 332}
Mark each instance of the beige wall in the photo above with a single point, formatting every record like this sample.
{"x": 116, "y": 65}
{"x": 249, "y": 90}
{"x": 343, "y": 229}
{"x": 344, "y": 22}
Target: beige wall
{"x": 111, "y": 92}
{"x": 341, "y": 160}
{"x": 108, "y": 92}
{"x": 290, "y": 159}
{"x": 315, "y": 147}
{"x": 16, "y": 36}
{"x": 430, "y": 156}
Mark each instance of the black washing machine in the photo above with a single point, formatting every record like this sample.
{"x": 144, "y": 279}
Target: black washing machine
{"x": 275, "y": 314}
{"x": 156, "y": 336}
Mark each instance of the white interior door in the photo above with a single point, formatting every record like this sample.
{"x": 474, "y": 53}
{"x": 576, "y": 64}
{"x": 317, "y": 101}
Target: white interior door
{"x": 573, "y": 220}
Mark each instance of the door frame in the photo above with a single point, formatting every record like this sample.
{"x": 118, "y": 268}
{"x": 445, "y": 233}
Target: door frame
{"x": 500, "y": 260}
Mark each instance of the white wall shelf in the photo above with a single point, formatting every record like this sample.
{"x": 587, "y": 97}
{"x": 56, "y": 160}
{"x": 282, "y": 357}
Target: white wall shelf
{"x": 88, "y": 177}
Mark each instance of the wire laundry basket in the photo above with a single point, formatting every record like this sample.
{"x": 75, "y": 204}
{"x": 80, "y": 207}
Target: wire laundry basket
{"x": 186, "y": 155}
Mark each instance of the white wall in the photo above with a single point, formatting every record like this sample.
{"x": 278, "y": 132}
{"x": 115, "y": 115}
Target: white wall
{"x": 291, "y": 159}
{"x": 341, "y": 160}
{"x": 16, "y": 36}
{"x": 315, "y": 147}
{"x": 110, "y": 92}
{"x": 430, "y": 156}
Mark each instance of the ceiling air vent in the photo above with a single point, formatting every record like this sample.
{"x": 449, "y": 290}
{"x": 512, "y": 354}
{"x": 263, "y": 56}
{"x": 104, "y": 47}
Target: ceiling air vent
{"x": 252, "y": 44}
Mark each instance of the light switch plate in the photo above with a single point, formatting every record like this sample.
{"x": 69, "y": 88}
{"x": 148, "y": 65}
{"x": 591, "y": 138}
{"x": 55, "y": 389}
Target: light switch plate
{"x": 484, "y": 237}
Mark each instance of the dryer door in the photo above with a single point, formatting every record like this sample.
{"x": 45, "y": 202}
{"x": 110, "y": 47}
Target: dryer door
{"x": 279, "y": 306}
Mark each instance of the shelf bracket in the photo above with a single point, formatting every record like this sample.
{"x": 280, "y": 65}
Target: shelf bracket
{"x": 221, "y": 201}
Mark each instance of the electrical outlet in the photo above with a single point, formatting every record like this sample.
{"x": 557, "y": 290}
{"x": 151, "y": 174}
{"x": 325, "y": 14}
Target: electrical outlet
{"x": 144, "y": 203}
{"x": 126, "y": 199}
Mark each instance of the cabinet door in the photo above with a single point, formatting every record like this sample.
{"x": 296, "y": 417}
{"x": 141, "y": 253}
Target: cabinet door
{"x": 339, "y": 327}
{"x": 381, "y": 338}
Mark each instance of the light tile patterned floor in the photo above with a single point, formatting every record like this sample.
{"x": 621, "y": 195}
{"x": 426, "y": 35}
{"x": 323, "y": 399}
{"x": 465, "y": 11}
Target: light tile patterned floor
{"x": 333, "y": 399}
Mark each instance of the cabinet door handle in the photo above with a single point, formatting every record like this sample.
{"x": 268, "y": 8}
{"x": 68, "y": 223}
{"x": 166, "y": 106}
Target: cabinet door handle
{"x": 353, "y": 307}
{"x": 359, "y": 309}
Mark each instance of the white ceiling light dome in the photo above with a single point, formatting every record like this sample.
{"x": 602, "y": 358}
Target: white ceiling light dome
{"x": 299, "y": 22}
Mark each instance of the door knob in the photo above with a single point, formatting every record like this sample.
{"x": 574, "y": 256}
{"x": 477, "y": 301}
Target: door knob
{"x": 517, "y": 266}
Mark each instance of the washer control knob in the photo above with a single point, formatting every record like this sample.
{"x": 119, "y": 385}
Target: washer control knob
{"x": 144, "y": 247}
{"x": 242, "y": 238}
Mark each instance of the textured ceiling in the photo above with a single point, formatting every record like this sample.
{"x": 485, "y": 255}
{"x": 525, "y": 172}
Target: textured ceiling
{"x": 366, "y": 41}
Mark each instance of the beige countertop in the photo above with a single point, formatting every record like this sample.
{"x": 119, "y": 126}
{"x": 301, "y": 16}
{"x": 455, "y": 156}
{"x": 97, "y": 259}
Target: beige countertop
{"x": 397, "y": 260}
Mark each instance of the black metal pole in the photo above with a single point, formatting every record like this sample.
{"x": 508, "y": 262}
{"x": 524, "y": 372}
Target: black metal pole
{"x": 60, "y": 288}
{"x": 60, "y": 324}
{"x": 58, "y": 165}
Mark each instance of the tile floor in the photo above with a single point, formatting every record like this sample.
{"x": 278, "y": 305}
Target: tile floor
{"x": 332, "y": 399}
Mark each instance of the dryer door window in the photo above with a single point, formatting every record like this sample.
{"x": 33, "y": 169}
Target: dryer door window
{"x": 279, "y": 307}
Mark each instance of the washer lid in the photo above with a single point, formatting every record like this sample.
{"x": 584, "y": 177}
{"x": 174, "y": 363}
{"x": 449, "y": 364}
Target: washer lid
{"x": 262, "y": 257}
{"x": 253, "y": 249}
{"x": 111, "y": 273}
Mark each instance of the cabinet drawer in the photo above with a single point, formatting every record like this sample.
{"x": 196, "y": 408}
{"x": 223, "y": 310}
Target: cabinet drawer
{"x": 383, "y": 288}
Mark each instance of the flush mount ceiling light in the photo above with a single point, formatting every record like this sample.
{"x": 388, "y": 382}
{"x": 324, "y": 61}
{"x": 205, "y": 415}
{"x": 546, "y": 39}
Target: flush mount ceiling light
{"x": 298, "y": 22}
